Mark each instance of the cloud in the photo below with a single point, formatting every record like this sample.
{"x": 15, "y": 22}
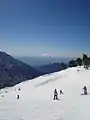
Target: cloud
{"x": 46, "y": 55}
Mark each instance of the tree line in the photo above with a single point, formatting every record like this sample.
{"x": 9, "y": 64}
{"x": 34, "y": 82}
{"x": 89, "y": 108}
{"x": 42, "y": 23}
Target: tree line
{"x": 85, "y": 61}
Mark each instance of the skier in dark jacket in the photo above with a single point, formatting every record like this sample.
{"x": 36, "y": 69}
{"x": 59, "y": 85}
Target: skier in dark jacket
{"x": 61, "y": 92}
{"x": 85, "y": 90}
{"x": 55, "y": 95}
{"x": 17, "y": 96}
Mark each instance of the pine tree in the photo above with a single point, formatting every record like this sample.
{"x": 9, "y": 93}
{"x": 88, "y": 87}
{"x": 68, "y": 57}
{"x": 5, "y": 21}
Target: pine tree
{"x": 72, "y": 63}
{"x": 86, "y": 61}
{"x": 78, "y": 61}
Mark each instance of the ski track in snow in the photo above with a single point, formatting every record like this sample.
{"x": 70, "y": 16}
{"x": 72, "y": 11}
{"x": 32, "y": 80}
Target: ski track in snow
{"x": 36, "y": 96}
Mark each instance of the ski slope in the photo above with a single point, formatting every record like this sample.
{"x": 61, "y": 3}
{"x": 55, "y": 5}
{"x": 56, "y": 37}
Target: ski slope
{"x": 36, "y": 97}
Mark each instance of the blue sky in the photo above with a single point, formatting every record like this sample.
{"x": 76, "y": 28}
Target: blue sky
{"x": 37, "y": 27}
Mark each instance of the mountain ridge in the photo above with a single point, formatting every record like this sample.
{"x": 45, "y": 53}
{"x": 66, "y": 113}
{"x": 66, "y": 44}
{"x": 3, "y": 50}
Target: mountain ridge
{"x": 51, "y": 68}
{"x": 13, "y": 71}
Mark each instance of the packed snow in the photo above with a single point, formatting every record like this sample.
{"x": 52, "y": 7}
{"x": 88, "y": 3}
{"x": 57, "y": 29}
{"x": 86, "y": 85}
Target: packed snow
{"x": 36, "y": 97}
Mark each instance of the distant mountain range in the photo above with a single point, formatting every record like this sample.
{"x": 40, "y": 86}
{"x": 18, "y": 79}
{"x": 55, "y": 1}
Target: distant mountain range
{"x": 41, "y": 61}
{"x": 50, "y": 68}
{"x": 13, "y": 71}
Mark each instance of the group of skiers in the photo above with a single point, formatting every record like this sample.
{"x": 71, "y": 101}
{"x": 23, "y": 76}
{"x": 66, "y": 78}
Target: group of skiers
{"x": 56, "y": 93}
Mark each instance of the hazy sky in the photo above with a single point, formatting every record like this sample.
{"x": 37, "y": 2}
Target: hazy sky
{"x": 37, "y": 27}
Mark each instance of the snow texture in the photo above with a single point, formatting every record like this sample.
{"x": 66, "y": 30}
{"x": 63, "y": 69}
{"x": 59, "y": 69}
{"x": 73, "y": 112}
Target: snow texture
{"x": 36, "y": 97}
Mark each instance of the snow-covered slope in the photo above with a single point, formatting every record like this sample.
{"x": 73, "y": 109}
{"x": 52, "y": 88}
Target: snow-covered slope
{"x": 36, "y": 97}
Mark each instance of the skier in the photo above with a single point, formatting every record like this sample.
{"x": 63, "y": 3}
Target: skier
{"x": 19, "y": 88}
{"x": 85, "y": 90}
{"x": 55, "y": 95}
{"x": 17, "y": 96}
{"x": 61, "y": 92}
